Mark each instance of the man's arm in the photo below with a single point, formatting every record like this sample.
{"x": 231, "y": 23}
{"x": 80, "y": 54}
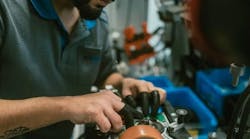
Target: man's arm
{"x": 20, "y": 116}
{"x": 115, "y": 79}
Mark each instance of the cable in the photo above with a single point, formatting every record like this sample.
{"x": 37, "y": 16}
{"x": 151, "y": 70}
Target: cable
{"x": 239, "y": 117}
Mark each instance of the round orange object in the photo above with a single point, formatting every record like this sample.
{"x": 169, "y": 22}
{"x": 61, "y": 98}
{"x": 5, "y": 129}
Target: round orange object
{"x": 141, "y": 132}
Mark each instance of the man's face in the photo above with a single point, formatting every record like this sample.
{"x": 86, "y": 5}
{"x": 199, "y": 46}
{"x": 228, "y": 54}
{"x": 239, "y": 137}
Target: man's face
{"x": 90, "y": 9}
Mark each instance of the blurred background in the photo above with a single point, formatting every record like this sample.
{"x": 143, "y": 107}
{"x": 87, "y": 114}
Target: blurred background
{"x": 197, "y": 50}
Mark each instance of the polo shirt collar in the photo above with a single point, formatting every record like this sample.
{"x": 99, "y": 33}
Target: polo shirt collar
{"x": 45, "y": 9}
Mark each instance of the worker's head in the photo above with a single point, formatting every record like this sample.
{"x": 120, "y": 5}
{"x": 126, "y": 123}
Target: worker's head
{"x": 91, "y": 9}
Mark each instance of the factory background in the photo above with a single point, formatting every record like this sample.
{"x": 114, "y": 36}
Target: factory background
{"x": 179, "y": 59}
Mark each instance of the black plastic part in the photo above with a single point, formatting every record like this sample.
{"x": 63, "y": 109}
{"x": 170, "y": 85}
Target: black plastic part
{"x": 92, "y": 133}
{"x": 181, "y": 116}
{"x": 179, "y": 134}
{"x": 127, "y": 116}
{"x": 130, "y": 101}
{"x": 158, "y": 126}
{"x": 155, "y": 102}
{"x": 168, "y": 110}
{"x": 144, "y": 97}
{"x": 240, "y": 122}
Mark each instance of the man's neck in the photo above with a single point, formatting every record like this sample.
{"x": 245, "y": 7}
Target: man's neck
{"x": 68, "y": 14}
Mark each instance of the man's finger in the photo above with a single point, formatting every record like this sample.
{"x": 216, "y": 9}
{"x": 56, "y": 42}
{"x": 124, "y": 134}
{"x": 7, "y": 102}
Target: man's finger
{"x": 162, "y": 93}
{"x": 103, "y": 123}
{"x": 126, "y": 92}
{"x": 114, "y": 118}
{"x": 143, "y": 86}
{"x": 150, "y": 86}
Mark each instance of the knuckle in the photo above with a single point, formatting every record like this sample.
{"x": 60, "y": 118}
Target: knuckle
{"x": 117, "y": 106}
{"x": 143, "y": 82}
{"x": 109, "y": 94}
{"x": 150, "y": 84}
{"x": 93, "y": 111}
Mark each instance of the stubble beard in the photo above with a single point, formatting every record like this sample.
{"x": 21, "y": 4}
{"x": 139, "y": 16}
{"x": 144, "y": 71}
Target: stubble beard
{"x": 86, "y": 11}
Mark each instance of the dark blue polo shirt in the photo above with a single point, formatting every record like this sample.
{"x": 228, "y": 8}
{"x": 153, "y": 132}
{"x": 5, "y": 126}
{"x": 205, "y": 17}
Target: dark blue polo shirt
{"x": 46, "y": 10}
{"x": 39, "y": 58}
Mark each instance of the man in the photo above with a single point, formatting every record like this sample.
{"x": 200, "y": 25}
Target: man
{"x": 50, "y": 57}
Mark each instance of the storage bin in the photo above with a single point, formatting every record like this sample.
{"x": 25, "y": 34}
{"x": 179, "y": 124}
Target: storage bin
{"x": 159, "y": 81}
{"x": 184, "y": 97}
{"x": 214, "y": 87}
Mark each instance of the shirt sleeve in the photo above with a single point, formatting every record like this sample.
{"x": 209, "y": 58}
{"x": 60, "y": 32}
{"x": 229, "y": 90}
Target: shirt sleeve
{"x": 107, "y": 67}
{"x": 108, "y": 62}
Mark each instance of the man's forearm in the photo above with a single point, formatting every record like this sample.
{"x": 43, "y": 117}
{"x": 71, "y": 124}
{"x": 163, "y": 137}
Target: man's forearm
{"x": 21, "y": 116}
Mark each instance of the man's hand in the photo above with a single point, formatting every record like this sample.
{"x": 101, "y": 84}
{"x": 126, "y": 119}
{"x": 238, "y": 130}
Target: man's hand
{"x": 101, "y": 108}
{"x": 145, "y": 92}
{"x": 29, "y": 114}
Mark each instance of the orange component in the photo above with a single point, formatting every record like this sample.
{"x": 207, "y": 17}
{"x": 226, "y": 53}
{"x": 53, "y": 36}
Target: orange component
{"x": 136, "y": 46}
{"x": 145, "y": 31}
{"x": 129, "y": 33}
{"x": 141, "y": 132}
